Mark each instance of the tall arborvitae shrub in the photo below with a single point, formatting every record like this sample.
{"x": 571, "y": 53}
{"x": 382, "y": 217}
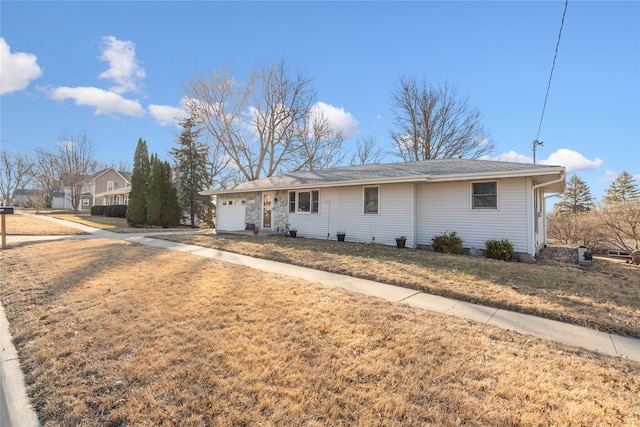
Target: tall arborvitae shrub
{"x": 137, "y": 209}
{"x": 162, "y": 207}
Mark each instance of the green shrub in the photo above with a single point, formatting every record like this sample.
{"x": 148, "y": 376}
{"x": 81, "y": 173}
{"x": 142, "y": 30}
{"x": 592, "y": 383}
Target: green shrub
{"x": 448, "y": 243}
{"x": 97, "y": 210}
{"x": 119, "y": 211}
{"x": 499, "y": 249}
{"x": 116, "y": 211}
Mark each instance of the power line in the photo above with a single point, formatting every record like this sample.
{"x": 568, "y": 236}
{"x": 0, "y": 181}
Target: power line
{"x": 5, "y": 141}
{"x": 553, "y": 66}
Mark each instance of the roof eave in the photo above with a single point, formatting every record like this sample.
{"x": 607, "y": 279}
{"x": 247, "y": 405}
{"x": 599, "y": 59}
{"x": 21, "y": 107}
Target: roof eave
{"x": 403, "y": 179}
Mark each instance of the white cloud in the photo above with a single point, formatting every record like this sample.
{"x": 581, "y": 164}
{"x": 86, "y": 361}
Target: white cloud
{"x": 18, "y": 69}
{"x": 124, "y": 69}
{"x": 103, "y": 101}
{"x": 338, "y": 119}
{"x": 511, "y": 156}
{"x": 166, "y": 114}
{"x": 572, "y": 160}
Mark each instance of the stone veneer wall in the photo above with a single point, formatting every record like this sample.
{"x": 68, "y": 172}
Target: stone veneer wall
{"x": 253, "y": 211}
{"x": 280, "y": 214}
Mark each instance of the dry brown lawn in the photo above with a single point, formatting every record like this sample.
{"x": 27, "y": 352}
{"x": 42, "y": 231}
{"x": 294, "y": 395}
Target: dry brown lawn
{"x": 604, "y": 296}
{"x": 111, "y": 333}
{"x": 25, "y": 223}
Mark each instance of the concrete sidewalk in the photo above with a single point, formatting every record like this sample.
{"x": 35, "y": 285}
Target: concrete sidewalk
{"x": 564, "y": 333}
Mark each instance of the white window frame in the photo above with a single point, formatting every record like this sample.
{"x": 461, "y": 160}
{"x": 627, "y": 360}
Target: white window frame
{"x": 473, "y": 196}
{"x": 111, "y": 185}
{"x": 294, "y": 202}
{"x": 364, "y": 200}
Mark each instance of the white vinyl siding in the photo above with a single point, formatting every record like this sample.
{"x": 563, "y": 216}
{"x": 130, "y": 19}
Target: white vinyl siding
{"x": 341, "y": 208}
{"x": 445, "y": 207}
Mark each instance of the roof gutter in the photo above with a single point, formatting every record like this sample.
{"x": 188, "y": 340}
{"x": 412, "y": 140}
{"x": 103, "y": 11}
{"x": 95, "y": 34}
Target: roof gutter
{"x": 555, "y": 181}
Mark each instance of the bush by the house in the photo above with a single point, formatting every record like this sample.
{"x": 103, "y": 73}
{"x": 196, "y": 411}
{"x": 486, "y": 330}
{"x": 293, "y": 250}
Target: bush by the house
{"x": 448, "y": 243}
{"x": 97, "y": 210}
{"x": 116, "y": 211}
{"x": 499, "y": 249}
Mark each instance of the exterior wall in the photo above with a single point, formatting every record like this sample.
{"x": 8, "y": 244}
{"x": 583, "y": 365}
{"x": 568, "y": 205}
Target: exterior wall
{"x": 253, "y": 211}
{"x": 417, "y": 211}
{"x": 341, "y": 209}
{"x": 280, "y": 213}
{"x": 446, "y": 207}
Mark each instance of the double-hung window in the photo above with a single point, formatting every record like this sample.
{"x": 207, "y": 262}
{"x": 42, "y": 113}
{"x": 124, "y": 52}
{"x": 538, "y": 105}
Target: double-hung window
{"x": 484, "y": 195}
{"x": 304, "y": 201}
{"x": 371, "y": 200}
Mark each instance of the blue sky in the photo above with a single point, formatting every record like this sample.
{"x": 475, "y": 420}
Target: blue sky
{"x": 116, "y": 70}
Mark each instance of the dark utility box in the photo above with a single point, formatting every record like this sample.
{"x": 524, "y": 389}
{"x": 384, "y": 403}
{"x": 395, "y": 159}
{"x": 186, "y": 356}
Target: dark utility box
{"x": 6, "y": 210}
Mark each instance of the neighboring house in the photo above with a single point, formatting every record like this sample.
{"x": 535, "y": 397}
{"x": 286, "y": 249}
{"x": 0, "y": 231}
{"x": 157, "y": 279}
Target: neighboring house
{"x": 479, "y": 199}
{"x": 105, "y": 187}
{"x": 112, "y": 188}
{"x": 21, "y": 197}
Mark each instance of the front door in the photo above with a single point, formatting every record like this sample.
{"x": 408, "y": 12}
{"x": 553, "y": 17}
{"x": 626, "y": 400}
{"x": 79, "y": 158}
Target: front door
{"x": 267, "y": 207}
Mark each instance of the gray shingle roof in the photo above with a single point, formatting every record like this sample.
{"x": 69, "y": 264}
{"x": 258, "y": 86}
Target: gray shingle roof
{"x": 426, "y": 170}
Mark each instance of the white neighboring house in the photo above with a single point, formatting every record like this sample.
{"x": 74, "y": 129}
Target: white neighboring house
{"x": 478, "y": 199}
{"x": 105, "y": 187}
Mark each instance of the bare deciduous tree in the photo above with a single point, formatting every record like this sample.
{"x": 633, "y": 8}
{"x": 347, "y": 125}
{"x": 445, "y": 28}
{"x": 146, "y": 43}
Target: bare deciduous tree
{"x": 620, "y": 224}
{"x": 47, "y": 175}
{"x": 435, "y": 123}
{"x": 262, "y": 124}
{"x": 580, "y": 228}
{"x": 16, "y": 171}
{"x": 36, "y": 199}
{"x": 367, "y": 152}
{"x": 320, "y": 145}
{"x": 75, "y": 156}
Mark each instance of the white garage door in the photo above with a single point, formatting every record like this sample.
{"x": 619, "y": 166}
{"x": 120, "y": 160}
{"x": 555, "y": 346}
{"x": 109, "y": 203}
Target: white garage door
{"x": 231, "y": 215}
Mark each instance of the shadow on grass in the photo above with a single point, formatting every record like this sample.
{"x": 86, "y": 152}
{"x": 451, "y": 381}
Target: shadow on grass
{"x": 568, "y": 293}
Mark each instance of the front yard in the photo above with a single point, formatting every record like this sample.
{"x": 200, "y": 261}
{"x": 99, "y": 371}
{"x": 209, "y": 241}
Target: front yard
{"x": 111, "y": 333}
{"x": 603, "y": 296}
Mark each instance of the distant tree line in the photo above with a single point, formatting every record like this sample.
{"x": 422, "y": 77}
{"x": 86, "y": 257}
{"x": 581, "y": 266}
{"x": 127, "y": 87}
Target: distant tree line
{"x": 615, "y": 220}
{"x": 70, "y": 163}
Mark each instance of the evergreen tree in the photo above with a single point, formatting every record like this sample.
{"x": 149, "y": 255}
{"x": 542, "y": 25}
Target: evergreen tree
{"x": 577, "y": 198}
{"x": 622, "y": 189}
{"x": 162, "y": 207}
{"x": 191, "y": 158}
{"x": 137, "y": 209}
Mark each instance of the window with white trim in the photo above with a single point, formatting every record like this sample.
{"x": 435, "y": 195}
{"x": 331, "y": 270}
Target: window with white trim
{"x": 371, "y": 196}
{"x": 110, "y": 185}
{"x": 484, "y": 195}
{"x": 304, "y": 201}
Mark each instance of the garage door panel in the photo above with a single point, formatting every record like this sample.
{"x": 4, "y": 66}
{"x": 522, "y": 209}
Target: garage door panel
{"x": 231, "y": 215}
